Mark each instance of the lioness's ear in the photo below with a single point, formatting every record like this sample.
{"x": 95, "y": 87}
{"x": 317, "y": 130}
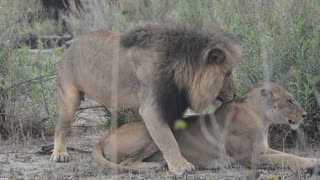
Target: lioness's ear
{"x": 267, "y": 93}
{"x": 215, "y": 56}
{"x": 260, "y": 83}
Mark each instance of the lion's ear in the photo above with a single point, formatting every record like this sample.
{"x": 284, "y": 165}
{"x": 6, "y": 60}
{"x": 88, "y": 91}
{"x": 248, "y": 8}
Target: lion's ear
{"x": 215, "y": 56}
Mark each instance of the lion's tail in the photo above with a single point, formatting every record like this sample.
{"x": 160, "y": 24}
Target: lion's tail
{"x": 98, "y": 156}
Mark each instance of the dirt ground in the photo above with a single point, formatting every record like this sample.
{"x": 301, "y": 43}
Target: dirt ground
{"x": 20, "y": 160}
{"x": 26, "y": 160}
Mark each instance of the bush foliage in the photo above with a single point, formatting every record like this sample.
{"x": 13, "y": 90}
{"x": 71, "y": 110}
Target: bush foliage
{"x": 281, "y": 42}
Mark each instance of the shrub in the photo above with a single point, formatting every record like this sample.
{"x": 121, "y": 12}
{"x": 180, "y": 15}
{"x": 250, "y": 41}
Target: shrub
{"x": 26, "y": 87}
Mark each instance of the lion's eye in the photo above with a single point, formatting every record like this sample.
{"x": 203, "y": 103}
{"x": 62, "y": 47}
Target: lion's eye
{"x": 228, "y": 74}
{"x": 290, "y": 101}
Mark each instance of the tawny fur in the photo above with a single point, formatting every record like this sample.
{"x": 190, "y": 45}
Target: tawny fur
{"x": 236, "y": 133}
{"x": 119, "y": 140}
{"x": 163, "y": 70}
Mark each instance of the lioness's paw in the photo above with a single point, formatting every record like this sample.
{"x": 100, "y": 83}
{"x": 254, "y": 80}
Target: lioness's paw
{"x": 60, "y": 157}
{"x": 180, "y": 166}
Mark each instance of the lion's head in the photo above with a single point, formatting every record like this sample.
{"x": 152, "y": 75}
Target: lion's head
{"x": 191, "y": 65}
{"x": 279, "y": 105}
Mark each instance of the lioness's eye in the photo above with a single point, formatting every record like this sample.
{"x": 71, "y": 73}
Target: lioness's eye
{"x": 290, "y": 101}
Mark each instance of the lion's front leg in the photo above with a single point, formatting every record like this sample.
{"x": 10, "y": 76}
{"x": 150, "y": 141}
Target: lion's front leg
{"x": 281, "y": 159}
{"x": 164, "y": 139}
{"x": 68, "y": 98}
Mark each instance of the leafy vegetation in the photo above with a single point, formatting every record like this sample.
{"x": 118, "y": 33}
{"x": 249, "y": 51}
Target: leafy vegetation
{"x": 27, "y": 77}
{"x": 281, "y": 42}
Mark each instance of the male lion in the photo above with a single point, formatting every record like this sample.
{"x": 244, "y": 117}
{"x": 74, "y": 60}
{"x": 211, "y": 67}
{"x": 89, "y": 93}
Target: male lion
{"x": 161, "y": 68}
{"x": 237, "y": 131}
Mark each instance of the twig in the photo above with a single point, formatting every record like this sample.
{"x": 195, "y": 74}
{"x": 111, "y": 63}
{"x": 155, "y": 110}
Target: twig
{"x": 80, "y": 110}
{"x": 42, "y": 91}
{"x": 90, "y": 107}
{"x": 49, "y": 77}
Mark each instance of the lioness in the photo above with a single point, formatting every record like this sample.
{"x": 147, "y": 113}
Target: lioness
{"x": 160, "y": 68}
{"x": 237, "y": 131}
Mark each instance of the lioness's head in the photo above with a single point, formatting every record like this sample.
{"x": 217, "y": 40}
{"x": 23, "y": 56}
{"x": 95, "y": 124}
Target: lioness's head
{"x": 278, "y": 105}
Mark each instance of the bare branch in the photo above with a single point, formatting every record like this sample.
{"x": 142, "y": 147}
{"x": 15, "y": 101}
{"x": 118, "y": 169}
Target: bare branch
{"x": 90, "y": 107}
{"x": 40, "y": 78}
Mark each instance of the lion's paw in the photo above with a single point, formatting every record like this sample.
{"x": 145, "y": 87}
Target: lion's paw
{"x": 60, "y": 157}
{"x": 180, "y": 166}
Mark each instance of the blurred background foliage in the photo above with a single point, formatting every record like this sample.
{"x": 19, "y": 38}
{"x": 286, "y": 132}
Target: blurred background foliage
{"x": 280, "y": 40}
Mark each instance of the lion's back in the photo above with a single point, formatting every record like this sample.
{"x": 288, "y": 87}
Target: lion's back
{"x": 89, "y": 54}
{"x": 91, "y": 43}
{"x": 88, "y": 65}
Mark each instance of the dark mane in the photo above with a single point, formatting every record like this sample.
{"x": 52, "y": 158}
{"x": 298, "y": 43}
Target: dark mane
{"x": 156, "y": 34}
{"x": 185, "y": 50}
{"x": 176, "y": 41}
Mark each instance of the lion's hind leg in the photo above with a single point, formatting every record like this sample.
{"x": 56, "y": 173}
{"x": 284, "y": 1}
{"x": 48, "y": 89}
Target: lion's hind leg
{"x": 137, "y": 161}
{"x": 68, "y": 98}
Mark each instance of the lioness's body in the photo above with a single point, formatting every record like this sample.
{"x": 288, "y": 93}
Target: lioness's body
{"x": 163, "y": 70}
{"x": 237, "y": 132}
